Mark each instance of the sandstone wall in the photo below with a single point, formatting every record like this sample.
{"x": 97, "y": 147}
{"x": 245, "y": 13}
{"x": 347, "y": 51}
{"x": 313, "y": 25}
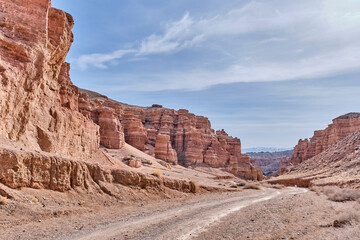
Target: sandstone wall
{"x": 25, "y": 168}
{"x": 38, "y": 102}
{"x": 340, "y": 128}
{"x": 175, "y": 136}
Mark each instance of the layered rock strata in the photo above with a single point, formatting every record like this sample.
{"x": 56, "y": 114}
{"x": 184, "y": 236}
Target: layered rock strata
{"x": 38, "y": 102}
{"x": 340, "y": 128}
{"x": 175, "y": 136}
{"x": 338, "y": 165}
{"x": 25, "y": 168}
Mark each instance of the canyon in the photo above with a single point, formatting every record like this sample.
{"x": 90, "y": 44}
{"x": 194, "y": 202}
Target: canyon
{"x": 43, "y": 111}
{"x": 76, "y": 164}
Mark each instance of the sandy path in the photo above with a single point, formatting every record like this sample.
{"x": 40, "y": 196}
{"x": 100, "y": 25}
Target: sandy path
{"x": 183, "y": 222}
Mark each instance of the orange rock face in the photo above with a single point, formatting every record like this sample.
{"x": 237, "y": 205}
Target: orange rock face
{"x": 177, "y": 136}
{"x": 163, "y": 149}
{"x": 38, "y": 102}
{"x": 323, "y": 139}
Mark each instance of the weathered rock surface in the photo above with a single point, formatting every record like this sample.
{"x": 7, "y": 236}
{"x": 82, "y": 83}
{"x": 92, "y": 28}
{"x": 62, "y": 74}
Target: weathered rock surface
{"x": 163, "y": 149}
{"x": 340, "y": 128}
{"x": 338, "y": 165}
{"x": 175, "y": 136}
{"x": 38, "y": 102}
{"x": 26, "y": 168}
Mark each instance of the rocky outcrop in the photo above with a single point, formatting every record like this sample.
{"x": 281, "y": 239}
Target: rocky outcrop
{"x": 163, "y": 149}
{"x": 25, "y": 168}
{"x": 175, "y": 136}
{"x": 340, "y": 128}
{"x": 338, "y": 165}
{"x": 38, "y": 102}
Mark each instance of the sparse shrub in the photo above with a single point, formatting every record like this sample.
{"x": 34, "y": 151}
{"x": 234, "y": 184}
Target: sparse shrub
{"x": 195, "y": 188}
{"x": 81, "y": 203}
{"x": 345, "y": 218}
{"x": 251, "y": 186}
{"x": 3, "y": 200}
{"x": 157, "y": 173}
{"x": 278, "y": 186}
{"x": 241, "y": 183}
{"x": 341, "y": 194}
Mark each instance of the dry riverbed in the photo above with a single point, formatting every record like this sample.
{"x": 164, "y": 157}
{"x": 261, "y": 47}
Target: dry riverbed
{"x": 289, "y": 213}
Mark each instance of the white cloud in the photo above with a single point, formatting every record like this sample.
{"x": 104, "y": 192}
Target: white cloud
{"x": 325, "y": 32}
{"x": 316, "y": 66}
{"x": 100, "y": 60}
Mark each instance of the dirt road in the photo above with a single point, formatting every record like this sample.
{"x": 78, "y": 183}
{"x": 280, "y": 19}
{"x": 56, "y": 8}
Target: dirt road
{"x": 182, "y": 222}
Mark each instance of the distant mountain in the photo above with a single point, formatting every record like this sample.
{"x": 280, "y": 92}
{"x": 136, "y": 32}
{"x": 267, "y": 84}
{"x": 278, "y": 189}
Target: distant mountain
{"x": 269, "y": 161}
{"x": 264, "y": 149}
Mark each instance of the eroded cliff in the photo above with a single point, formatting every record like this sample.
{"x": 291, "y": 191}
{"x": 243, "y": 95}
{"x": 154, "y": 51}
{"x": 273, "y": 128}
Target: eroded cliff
{"x": 174, "y": 136}
{"x": 38, "y": 102}
{"x": 340, "y": 128}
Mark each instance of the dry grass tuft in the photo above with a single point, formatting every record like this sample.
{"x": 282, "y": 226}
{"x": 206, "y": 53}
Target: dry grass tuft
{"x": 345, "y": 218}
{"x": 278, "y": 186}
{"x": 341, "y": 194}
{"x": 252, "y": 186}
{"x": 157, "y": 173}
{"x": 241, "y": 183}
{"x": 3, "y": 200}
{"x": 195, "y": 188}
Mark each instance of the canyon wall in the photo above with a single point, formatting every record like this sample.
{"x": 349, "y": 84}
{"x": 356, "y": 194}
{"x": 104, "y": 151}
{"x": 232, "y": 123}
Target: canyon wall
{"x": 174, "y": 136}
{"x": 38, "y": 102}
{"x": 340, "y": 128}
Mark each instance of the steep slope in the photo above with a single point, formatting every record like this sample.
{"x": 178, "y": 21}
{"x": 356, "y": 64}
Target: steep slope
{"x": 38, "y": 102}
{"x": 170, "y": 135}
{"x": 338, "y": 165}
{"x": 323, "y": 139}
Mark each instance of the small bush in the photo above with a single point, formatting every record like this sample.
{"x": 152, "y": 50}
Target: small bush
{"x": 195, "y": 188}
{"x": 345, "y": 218}
{"x": 3, "y": 200}
{"x": 241, "y": 183}
{"x": 341, "y": 194}
{"x": 157, "y": 173}
{"x": 251, "y": 186}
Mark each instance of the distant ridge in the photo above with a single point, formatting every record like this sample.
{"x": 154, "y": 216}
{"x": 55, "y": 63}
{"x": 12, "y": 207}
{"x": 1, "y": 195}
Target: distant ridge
{"x": 265, "y": 149}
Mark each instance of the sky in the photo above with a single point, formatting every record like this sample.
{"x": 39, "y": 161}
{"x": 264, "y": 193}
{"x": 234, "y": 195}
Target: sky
{"x": 267, "y": 71}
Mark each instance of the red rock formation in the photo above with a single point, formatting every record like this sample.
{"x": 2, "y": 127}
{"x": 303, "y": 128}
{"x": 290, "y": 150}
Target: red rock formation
{"x": 338, "y": 165}
{"x": 163, "y": 149}
{"x": 176, "y": 136}
{"x": 26, "y": 168}
{"x": 111, "y": 132}
{"x": 38, "y": 102}
{"x": 323, "y": 139}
